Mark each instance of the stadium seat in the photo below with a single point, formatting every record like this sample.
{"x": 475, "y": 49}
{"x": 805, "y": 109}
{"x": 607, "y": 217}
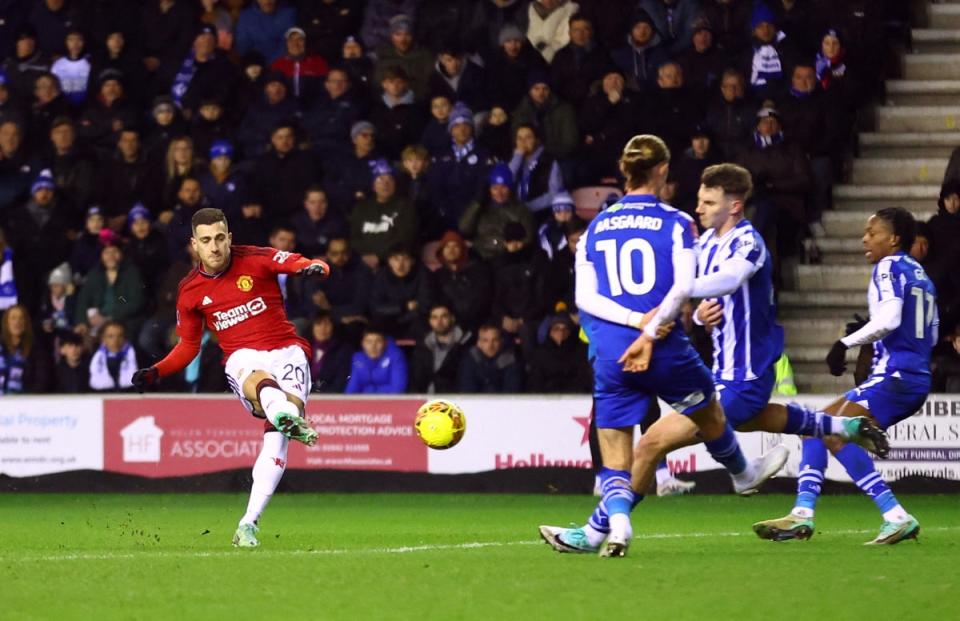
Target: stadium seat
{"x": 590, "y": 199}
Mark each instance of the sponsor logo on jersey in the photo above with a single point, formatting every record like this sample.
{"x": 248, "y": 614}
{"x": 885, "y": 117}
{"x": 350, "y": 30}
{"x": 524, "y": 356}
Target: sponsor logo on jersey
{"x": 229, "y": 318}
{"x": 245, "y": 283}
{"x": 206, "y": 301}
{"x": 281, "y": 256}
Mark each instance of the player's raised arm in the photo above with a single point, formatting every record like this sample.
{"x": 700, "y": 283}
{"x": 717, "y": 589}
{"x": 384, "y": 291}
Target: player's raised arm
{"x": 190, "y": 331}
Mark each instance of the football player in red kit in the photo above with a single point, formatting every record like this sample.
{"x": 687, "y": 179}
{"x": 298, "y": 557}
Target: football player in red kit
{"x": 234, "y": 292}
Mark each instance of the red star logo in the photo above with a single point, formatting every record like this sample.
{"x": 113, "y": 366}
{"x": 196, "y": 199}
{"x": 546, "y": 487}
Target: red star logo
{"x": 279, "y": 462}
{"x": 584, "y": 421}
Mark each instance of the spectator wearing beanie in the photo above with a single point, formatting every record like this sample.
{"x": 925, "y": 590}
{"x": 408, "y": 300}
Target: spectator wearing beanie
{"x": 379, "y": 20}
{"x": 57, "y": 308}
{"x": 770, "y": 60}
{"x": 222, "y": 183}
{"x": 547, "y": 25}
{"x": 36, "y": 231}
{"x": 643, "y": 52}
{"x": 550, "y": 234}
{"x": 86, "y": 247}
{"x": 210, "y": 124}
{"x": 146, "y": 248}
{"x": 107, "y": 112}
{"x": 702, "y": 62}
{"x": 350, "y": 178}
{"x": 402, "y": 53}
{"x": 114, "y": 52}
{"x": 304, "y": 70}
{"x": 383, "y": 220}
{"x": 555, "y": 119}
{"x": 485, "y": 219}
{"x": 506, "y": 72}
{"x": 500, "y": 14}
{"x": 463, "y": 283}
{"x": 261, "y": 27}
{"x": 456, "y": 178}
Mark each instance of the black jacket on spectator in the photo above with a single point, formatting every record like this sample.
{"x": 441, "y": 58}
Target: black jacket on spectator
{"x": 124, "y": 183}
{"x": 807, "y": 120}
{"x": 127, "y": 63}
{"x": 41, "y": 118}
{"x": 216, "y": 78}
{"x": 454, "y": 184}
{"x": 639, "y": 65}
{"x": 282, "y": 181}
{"x": 507, "y": 78}
{"x": 95, "y": 126}
{"x": 687, "y": 172}
{"x": 479, "y": 374}
{"x": 347, "y": 289}
{"x": 702, "y": 70}
{"x": 468, "y": 87}
{"x": 179, "y": 229}
{"x": 575, "y": 69}
{"x": 22, "y": 73}
{"x": 85, "y": 254}
{"x": 559, "y": 368}
{"x": 468, "y": 292}
{"x": 348, "y": 176}
{"x": 38, "y": 248}
{"x": 38, "y": 375}
{"x": 731, "y": 125}
{"x": 559, "y": 280}
{"x": 675, "y": 112}
{"x": 16, "y": 175}
{"x": 76, "y": 177}
{"x": 167, "y": 35}
{"x": 328, "y": 23}
{"x": 52, "y": 26}
{"x": 150, "y": 255}
{"x": 397, "y": 127}
{"x": 330, "y": 367}
{"x": 204, "y": 133}
{"x": 253, "y": 133}
{"x": 328, "y": 122}
{"x": 227, "y": 196}
{"x": 610, "y": 126}
{"x": 730, "y": 23}
{"x": 438, "y": 20}
{"x": 518, "y": 284}
{"x": 434, "y": 367}
{"x": 72, "y": 380}
{"x": 314, "y": 235}
{"x": 390, "y": 296}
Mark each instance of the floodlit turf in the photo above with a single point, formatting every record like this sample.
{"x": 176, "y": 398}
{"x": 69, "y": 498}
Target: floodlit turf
{"x": 411, "y": 556}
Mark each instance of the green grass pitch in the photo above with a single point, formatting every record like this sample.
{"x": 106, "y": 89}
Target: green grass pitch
{"x": 413, "y": 556}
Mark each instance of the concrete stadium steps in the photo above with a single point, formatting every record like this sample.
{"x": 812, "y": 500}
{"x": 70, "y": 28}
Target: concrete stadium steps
{"x": 908, "y": 145}
{"x": 816, "y": 355}
{"x": 821, "y": 304}
{"x": 916, "y": 171}
{"x": 851, "y": 223}
{"x": 935, "y": 40}
{"x": 814, "y": 332}
{"x": 931, "y": 66}
{"x": 814, "y": 378}
{"x": 943, "y": 16}
{"x": 890, "y": 119}
{"x": 923, "y": 92}
{"x": 869, "y": 198}
{"x": 833, "y": 277}
{"x": 841, "y": 251}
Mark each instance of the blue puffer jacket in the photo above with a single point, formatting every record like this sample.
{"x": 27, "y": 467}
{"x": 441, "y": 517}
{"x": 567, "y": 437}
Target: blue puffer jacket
{"x": 385, "y": 375}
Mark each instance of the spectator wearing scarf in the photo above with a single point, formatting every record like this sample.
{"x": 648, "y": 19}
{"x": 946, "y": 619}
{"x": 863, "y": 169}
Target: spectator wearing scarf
{"x": 770, "y": 58}
{"x": 114, "y": 363}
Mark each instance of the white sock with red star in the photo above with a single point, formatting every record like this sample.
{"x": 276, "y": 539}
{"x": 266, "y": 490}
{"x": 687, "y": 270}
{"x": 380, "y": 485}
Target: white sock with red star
{"x": 267, "y": 472}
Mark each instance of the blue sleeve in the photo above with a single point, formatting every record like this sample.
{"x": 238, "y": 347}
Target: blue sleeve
{"x": 398, "y": 372}
{"x": 354, "y": 384}
{"x": 244, "y": 37}
{"x": 684, "y": 233}
{"x": 467, "y": 377}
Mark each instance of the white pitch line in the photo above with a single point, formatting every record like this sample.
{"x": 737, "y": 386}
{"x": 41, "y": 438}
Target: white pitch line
{"x": 473, "y": 545}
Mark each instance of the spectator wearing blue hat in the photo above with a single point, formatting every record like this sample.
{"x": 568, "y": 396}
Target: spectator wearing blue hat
{"x": 551, "y": 233}
{"x": 222, "y": 183}
{"x": 555, "y": 119}
{"x": 770, "y": 60}
{"x": 536, "y": 173}
{"x": 485, "y": 219}
{"x": 508, "y": 67}
{"x": 37, "y": 234}
{"x": 457, "y": 176}
{"x": 146, "y": 247}
{"x": 383, "y": 220}
{"x": 261, "y": 28}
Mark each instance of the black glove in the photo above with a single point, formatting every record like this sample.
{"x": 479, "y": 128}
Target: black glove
{"x": 144, "y": 378}
{"x": 857, "y": 323}
{"x": 315, "y": 269}
{"x": 837, "y": 359}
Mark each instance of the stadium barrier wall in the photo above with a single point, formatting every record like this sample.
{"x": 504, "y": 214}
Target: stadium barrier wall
{"x": 161, "y": 436}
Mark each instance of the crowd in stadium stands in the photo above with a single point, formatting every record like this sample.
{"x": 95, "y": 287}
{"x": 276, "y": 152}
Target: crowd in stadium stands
{"x": 430, "y": 150}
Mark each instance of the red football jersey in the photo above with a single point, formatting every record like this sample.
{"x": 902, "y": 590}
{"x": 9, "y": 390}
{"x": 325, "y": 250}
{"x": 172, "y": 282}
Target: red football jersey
{"x": 242, "y": 305}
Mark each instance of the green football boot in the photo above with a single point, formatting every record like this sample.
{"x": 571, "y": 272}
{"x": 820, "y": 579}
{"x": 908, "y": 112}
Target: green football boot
{"x": 895, "y": 532}
{"x": 785, "y": 528}
{"x": 296, "y": 428}
{"x": 863, "y": 431}
{"x": 246, "y": 536}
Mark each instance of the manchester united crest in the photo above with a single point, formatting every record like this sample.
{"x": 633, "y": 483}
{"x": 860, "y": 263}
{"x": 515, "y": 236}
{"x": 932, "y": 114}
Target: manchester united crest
{"x": 245, "y": 283}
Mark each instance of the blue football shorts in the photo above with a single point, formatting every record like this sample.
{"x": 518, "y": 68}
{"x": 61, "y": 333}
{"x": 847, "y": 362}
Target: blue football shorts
{"x": 891, "y": 399}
